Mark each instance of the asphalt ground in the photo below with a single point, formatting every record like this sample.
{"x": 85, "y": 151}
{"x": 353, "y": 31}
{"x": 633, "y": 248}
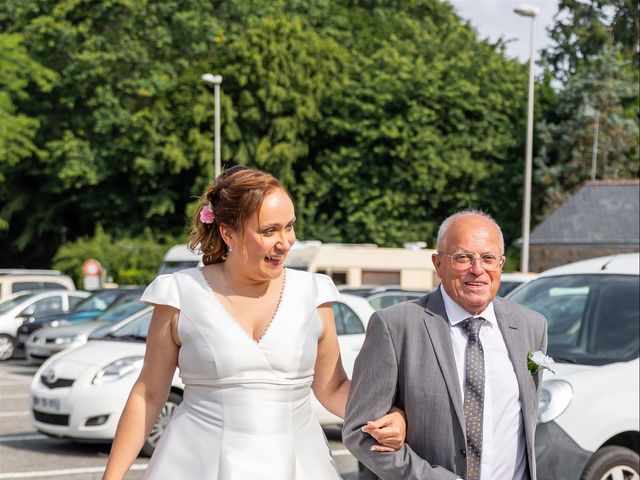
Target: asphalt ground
{"x": 27, "y": 454}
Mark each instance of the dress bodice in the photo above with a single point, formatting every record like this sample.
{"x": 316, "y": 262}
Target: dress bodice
{"x": 216, "y": 350}
{"x": 246, "y": 412}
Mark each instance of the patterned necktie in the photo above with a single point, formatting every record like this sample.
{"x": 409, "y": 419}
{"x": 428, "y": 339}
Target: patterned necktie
{"x": 473, "y": 395}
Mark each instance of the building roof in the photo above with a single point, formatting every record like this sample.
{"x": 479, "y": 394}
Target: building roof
{"x": 600, "y": 213}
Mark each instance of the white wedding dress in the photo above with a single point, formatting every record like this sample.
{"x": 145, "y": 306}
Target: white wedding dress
{"x": 246, "y": 412}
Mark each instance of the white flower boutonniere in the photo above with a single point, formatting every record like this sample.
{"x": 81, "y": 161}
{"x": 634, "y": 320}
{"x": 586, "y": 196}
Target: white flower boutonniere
{"x": 537, "y": 361}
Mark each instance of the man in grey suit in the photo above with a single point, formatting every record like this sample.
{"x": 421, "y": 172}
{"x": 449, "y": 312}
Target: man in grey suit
{"x": 456, "y": 362}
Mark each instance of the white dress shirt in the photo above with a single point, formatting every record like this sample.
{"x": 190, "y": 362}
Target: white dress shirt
{"x": 503, "y": 442}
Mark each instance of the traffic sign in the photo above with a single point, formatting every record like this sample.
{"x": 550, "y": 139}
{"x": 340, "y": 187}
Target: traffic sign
{"x": 91, "y": 267}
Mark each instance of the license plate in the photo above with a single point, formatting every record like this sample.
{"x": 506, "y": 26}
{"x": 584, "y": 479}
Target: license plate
{"x": 42, "y": 403}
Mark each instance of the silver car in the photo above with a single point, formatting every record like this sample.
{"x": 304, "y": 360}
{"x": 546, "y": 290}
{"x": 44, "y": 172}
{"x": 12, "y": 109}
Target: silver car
{"x": 49, "y": 341}
{"x": 30, "y": 304}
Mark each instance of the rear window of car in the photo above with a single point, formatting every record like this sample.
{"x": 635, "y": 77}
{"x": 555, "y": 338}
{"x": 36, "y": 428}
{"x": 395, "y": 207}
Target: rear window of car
{"x": 54, "y": 286}
{"x": 22, "y": 286}
{"x": 592, "y": 319}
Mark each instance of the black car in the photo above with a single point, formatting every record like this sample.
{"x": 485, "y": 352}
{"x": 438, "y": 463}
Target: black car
{"x": 89, "y": 309}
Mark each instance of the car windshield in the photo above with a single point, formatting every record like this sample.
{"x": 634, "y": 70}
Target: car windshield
{"x": 120, "y": 312}
{"x": 135, "y": 330}
{"x": 506, "y": 286}
{"x": 97, "y": 301}
{"x": 15, "y": 300}
{"x": 592, "y": 319}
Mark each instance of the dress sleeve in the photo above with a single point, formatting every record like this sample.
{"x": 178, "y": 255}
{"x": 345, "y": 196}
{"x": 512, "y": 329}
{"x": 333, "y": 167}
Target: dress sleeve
{"x": 325, "y": 290}
{"x": 162, "y": 291}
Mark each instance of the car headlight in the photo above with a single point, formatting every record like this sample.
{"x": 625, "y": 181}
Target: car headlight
{"x": 118, "y": 369}
{"x": 67, "y": 339}
{"x": 555, "y": 397}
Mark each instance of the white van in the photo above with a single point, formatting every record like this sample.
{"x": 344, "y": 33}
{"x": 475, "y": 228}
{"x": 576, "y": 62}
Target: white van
{"x": 179, "y": 257}
{"x": 13, "y": 280}
{"x": 589, "y": 414}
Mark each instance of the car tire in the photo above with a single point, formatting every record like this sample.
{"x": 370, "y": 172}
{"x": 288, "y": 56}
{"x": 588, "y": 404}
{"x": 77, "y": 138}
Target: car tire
{"x": 7, "y": 347}
{"x": 161, "y": 423}
{"x": 612, "y": 462}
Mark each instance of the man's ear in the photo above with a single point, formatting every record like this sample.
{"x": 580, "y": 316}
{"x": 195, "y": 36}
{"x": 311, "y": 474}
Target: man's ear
{"x": 437, "y": 261}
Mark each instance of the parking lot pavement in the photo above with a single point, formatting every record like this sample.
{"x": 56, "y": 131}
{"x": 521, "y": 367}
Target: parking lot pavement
{"x": 27, "y": 454}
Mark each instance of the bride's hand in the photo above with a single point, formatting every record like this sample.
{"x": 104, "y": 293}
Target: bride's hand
{"x": 389, "y": 431}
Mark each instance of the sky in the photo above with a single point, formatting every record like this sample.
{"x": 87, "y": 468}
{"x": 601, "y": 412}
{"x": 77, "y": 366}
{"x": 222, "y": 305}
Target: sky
{"x": 496, "y": 18}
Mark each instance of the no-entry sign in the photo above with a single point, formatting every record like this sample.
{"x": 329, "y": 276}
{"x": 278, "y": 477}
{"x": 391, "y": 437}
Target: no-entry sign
{"x": 91, "y": 267}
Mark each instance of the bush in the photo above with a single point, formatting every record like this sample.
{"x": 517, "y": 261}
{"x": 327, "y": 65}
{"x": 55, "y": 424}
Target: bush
{"x": 126, "y": 261}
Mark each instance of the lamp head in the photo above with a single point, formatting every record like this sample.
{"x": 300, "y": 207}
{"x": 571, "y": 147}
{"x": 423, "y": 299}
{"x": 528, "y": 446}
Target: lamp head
{"x": 527, "y": 10}
{"x": 211, "y": 79}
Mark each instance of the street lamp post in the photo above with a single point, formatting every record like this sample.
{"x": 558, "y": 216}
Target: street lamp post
{"x": 531, "y": 12}
{"x": 589, "y": 111}
{"x": 215, "y": 80}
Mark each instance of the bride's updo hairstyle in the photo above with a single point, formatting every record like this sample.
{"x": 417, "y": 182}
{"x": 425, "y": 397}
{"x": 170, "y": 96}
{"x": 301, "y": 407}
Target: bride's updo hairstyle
{"x": 231, "y": 200}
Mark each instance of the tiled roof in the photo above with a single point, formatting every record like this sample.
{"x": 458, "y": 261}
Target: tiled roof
{"x": 600, "y": 213}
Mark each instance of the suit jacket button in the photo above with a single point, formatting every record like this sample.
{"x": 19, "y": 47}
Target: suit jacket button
{"x": 463, "y": 452}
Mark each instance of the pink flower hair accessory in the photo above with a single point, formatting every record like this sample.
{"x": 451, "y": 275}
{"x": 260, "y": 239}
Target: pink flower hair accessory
{"x": 206, "y": 214}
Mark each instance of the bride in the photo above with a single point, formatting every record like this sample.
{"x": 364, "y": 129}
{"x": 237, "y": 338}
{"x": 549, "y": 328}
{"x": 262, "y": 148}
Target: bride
{"x": 252, "y": 339}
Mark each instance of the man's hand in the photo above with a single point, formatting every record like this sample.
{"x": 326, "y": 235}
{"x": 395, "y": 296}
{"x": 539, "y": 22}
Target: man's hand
{"x": 389, "y": 431}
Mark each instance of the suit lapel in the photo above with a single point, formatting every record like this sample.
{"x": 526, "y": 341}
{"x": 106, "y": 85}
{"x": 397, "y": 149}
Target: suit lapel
{"x": 435, "y": 320}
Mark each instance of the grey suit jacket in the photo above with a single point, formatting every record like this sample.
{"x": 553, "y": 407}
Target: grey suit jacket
{"x": 407, "y": 360}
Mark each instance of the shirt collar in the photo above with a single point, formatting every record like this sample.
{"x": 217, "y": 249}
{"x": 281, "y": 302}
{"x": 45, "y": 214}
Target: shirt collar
{"x": 456, "y": 314}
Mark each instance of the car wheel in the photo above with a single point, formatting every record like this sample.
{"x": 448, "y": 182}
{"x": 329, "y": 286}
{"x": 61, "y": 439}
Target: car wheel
{"x": 7, "y": 347}
{"x": 612, "y": 463}
{"x": 166, "y": 413}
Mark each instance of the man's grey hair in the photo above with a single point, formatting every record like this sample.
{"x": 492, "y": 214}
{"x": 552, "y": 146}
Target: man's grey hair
{"x": 468, "y": 212}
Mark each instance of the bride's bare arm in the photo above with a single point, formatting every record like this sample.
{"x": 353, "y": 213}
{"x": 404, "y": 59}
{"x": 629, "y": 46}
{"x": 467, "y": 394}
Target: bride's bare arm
{"x": 148, "y": 394}
{"x": 330, "y": 382}
{"x": 331, "y": 387}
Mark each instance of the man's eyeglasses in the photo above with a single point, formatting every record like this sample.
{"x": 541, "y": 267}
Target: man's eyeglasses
{"x": 464, "y": 261}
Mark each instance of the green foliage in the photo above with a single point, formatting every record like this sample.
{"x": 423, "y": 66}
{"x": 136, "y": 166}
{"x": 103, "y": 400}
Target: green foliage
{"x": 427, "y": 123}
{"x": 382, "y": 117}
{"x": 17, "y": 130}
{"x": 584, "y": 28}
{"x": 125, "y": 260}
{"x": 606, "y": 85}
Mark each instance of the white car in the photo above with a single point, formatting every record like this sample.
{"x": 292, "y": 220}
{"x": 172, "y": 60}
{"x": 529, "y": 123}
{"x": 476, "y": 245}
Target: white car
{"x": 27, "y": 304}
{"x": 80, "y": 393}
{"x": 511, "y": 281}
{"x": 352, "y": 315}
{"x": 588, "y": 420}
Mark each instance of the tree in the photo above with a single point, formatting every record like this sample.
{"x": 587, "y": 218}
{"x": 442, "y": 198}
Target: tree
{"x": 584, "y": 27}
{"x": 604, "y": 83}
{"x": 17, "y": 130}
{"x": 381, "y": 116}
{"x": 428, "y": 122}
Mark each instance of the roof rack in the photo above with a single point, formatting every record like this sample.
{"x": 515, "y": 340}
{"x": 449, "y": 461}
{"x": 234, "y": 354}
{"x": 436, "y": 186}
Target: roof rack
{"x": 28, "y": 271}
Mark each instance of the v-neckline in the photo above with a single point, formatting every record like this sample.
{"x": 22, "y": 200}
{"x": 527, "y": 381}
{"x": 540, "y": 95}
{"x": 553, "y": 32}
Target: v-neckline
{"x": 233, "y": 319}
